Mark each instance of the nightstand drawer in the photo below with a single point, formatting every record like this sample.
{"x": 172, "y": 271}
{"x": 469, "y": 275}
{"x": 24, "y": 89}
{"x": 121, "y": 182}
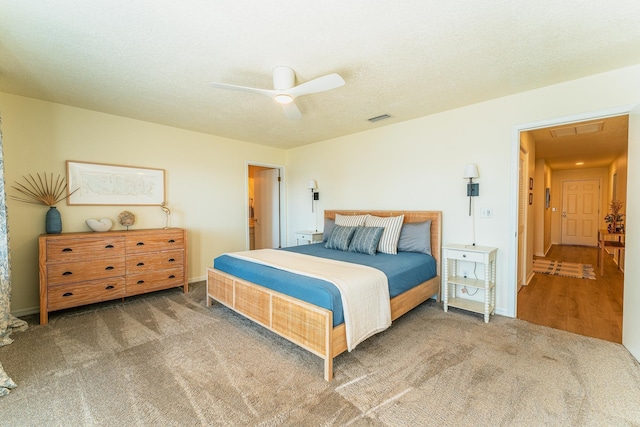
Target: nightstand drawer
{"x": 465, "y": 255}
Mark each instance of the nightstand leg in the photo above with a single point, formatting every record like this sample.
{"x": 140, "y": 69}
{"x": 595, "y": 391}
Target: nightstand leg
{"x": 487, "y": 292}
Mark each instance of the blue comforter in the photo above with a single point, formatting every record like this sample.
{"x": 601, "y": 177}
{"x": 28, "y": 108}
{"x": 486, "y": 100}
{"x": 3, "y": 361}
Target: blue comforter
{"x": 404, "y": 271}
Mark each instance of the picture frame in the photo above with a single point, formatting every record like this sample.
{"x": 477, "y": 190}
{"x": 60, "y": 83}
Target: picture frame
{"x": 530, "y": 183}
{"x": 107, "y": 184}
{"x": 530, "y": 198}
{"x": 547, "y": 198}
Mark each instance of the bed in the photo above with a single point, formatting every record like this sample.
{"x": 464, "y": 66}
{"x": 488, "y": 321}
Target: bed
{"x": 307, "y": 323}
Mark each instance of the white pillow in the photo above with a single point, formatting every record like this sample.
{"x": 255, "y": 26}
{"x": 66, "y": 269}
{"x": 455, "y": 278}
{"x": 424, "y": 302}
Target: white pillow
{"x": 351, "y": 220}
{"x": 392, "y": 226}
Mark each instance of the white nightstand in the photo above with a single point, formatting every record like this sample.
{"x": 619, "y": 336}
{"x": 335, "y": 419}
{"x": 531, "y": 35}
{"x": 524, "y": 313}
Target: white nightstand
{"x": 306, "y": 237}
{"x": 453, "y": 276}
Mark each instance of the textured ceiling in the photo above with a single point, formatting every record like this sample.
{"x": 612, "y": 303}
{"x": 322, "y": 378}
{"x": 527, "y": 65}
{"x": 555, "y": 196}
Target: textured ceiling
{"x": 154, "y": 60}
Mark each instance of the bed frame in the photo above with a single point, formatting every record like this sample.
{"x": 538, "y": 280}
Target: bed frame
{"x": 307, "y": 325}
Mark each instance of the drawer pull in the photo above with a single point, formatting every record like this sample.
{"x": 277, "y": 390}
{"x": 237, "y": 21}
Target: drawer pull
{"x": 67, "y": 250}
{"x": 140, "y": 282}
{"x": 172, "y": 260}
{"x": 110, "y": 287}
{"x": 67, "y": 273}
{"x": 140, "y": 244}
{"x": 109, "y": 267}
{"x": 109, "y": 247}
{"x": 171, "y": 241}
{"x": 172, "y": 276}
{"x": 464, "y": 255}
{"x": 140, "y": 264}
{"x": 67, "y": 294}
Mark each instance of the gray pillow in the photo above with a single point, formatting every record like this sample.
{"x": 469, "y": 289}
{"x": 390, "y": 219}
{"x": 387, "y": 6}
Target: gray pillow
{"x": 415, "y": 237}
{"x": 340, "y": 237}
{"x": 328, "y": 228}
{"x": 366, "y": 239}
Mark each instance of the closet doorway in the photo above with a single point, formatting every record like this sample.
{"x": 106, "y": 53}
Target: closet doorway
{"x": 264, "y": 206}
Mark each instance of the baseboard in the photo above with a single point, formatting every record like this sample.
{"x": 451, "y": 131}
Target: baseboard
{"x": 26, "y": 311}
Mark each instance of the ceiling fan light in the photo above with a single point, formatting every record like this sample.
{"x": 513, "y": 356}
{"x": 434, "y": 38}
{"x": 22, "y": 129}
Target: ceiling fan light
{"x": 283, "y": 98}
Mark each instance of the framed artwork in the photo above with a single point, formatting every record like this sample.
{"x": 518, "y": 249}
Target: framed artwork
{"x": 530, "y": 198}
{"x": 547, "y": 198}
{"x": 104, "y": 184}
{"x": 530, "y": 183}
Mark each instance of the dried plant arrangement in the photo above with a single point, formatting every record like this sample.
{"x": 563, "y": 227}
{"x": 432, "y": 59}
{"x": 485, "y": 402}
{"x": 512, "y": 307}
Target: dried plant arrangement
{"x": 42, "y": 190}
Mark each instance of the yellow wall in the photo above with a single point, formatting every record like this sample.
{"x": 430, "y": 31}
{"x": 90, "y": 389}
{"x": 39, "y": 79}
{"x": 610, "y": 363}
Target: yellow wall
{"x": 206, "y": 180}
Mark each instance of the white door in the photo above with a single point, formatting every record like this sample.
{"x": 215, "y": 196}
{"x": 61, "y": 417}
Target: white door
{"x": 522, "y": 209}
{"x": 580, "y": 213}
{"x": 267, "y": 208}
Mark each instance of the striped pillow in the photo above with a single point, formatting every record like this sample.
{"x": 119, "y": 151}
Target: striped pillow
{"x": 366, "y": 240}
{"x": 392, "y": 226}
{"x": 340, "y": 238}
{"x": 351, "y": 220}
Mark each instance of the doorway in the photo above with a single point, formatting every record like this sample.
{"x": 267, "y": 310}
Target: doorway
{"x": 264, "y": 207}
{"x": 581, "y": 175}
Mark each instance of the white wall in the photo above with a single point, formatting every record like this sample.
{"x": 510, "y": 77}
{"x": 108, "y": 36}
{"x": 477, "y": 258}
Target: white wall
{"x": 418, "y": 164}
{"x": 206, "y": 180}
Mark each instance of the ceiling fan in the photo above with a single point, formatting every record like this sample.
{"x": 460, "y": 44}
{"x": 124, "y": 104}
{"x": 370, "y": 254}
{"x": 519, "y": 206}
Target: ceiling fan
{"x": 284, "y": 92}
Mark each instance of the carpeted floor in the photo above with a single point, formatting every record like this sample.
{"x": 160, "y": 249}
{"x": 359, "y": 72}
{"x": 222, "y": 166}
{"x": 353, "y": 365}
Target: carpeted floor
{"x": 166, "y": 359}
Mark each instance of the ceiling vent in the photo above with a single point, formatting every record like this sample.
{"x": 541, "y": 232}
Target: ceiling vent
{"x": 579, "y": 129}
{"x": 378, "y": 118}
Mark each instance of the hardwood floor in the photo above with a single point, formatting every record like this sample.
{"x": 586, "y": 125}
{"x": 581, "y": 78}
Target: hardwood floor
{"x": 582, "y": 306}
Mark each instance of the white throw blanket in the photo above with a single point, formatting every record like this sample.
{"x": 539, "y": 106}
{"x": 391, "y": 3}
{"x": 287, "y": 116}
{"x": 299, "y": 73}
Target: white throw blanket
{"x": 364, "y": 290}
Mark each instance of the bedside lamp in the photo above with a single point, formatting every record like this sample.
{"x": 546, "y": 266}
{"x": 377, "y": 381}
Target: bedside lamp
{"x": 314, "y": 195}
{"x": 470, "y": 172}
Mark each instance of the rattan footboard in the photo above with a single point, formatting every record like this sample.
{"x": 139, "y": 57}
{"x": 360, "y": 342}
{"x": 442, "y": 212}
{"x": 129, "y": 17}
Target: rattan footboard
{"x": 307, "y": 325}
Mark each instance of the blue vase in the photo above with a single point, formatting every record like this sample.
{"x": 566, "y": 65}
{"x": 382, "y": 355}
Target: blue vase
{"x": 53, "y": 223}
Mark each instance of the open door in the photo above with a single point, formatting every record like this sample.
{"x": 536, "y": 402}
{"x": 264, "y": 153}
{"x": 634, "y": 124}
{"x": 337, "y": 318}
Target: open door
{"x": 267, "y": 208}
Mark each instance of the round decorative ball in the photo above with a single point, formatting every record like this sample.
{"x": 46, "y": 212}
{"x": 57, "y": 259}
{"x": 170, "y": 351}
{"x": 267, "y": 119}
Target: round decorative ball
{"x": 126, "y": 219}
{"x": 103, "y": 224}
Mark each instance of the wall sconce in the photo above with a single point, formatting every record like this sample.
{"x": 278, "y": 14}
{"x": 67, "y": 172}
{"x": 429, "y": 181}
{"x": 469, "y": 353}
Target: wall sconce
{"x": 314, "y": 194}
{"x": 470, "y": 172}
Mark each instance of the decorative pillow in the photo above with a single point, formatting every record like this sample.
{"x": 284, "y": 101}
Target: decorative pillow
{"x": 415, "y": 237}
{"x": 340, "y": 238}
{"x": 365, "y": 240}
{"x": 328, "y": 228}
{"x": 351, "y": 220}
{"x": 392, "y": 226}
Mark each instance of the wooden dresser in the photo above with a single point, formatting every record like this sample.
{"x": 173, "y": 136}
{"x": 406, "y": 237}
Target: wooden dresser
{"x": 85, "y": 268}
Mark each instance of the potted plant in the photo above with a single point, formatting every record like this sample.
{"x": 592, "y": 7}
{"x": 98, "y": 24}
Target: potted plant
{"x": 614, "y": 218}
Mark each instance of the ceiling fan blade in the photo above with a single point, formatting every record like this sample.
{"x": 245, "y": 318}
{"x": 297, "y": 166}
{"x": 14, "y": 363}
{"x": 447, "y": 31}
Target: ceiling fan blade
{"x": 266, "y": 92}
{"x": 320, "y": 84}
{"x": 291, "y": 111}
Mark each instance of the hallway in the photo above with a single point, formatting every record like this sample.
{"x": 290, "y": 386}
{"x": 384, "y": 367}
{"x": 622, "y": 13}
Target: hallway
{"x": 582, "y": 306}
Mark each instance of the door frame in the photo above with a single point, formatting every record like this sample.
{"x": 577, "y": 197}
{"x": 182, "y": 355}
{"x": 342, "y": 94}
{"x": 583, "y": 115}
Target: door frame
{"x": 512, "y": 256}
{"x": 283, "y": 201}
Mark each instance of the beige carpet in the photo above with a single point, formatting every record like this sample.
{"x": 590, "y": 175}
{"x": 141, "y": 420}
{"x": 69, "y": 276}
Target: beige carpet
{"x": 166, "y": 359}
{"x": 561, "y": 268}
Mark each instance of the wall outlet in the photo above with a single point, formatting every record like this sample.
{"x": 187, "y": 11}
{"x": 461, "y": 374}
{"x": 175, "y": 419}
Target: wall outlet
{"x": 486, "y": 212}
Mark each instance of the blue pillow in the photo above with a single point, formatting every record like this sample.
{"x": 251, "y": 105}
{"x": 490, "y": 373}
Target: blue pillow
{"x": 365, "y": 240}
{"x": 415, "y": 237}
{"x": 340, "y": 237}
{"x": 328, "y": 228}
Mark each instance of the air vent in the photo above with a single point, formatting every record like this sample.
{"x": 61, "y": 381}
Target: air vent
{"x": 378, "y": 118}
{"x": 579, "y": 129}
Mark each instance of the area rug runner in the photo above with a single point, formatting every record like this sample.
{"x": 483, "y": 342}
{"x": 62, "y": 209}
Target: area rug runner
{"x": 560, "y": 268}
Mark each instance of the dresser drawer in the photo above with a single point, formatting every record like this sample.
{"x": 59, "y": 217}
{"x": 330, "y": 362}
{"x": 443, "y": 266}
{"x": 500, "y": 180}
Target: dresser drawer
{"x": 465, "y": 255}
{"x": 164, "y": 240}
{"x": 140, "y": 263}
{"x": 76, "y": 249}
{"x": 67, "y": 296}
{"x": 155, "y": 280}
{"x": 71, "y": 272}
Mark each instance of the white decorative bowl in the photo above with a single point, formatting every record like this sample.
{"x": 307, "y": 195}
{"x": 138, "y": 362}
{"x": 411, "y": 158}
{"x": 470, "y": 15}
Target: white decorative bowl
{"x": 103, "y": 224}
